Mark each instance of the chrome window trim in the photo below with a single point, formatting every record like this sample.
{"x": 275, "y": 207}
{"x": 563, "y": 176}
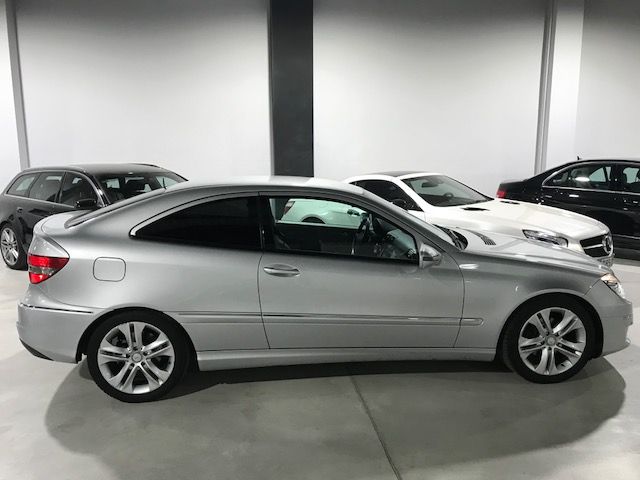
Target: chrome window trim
{"x": 591, "y": 162}
{"x": 183, "y": 206}
{"x": 64, "y": 172}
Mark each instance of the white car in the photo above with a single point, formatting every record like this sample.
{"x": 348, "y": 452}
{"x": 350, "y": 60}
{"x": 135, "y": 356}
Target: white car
{"x": 443, "y": 201}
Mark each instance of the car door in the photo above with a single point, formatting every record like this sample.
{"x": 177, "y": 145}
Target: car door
{"x": 41, "y": 202}
{"x": 339, "y": 285}
{"x": 586, "y": 188}
{"x": 627, "y": 229}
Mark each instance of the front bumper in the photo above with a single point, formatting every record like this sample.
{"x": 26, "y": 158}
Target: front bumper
{"x": 616, "y": 316}
{"x": 53, "y": 333}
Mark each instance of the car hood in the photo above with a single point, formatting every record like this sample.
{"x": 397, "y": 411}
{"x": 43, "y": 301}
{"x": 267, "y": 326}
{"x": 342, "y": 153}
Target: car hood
{"x": 511, "y": 217}
{"x": 530, "y": 251}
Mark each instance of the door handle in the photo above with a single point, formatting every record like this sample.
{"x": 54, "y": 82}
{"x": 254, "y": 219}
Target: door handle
{"x": 19, "y": 209}
{"x": 280, "y": 270}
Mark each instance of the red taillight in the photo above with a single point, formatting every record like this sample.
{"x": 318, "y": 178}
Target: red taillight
{"x": 288, "y": 206}
{"x": 501, "y": 193}
{"x": 41, "y": 268}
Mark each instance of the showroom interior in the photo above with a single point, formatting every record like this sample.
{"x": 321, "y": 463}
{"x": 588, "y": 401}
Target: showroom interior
{"x": 483, "y": 91}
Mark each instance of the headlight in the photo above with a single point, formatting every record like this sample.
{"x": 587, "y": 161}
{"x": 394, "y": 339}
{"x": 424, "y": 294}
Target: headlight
{"x": 614, "y": 284}
{"x": 546, "y": 237}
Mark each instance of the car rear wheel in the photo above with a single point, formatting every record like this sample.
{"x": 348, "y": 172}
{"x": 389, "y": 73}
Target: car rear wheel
{"x": 11, "y": 249}
{"x": 549, "y": 340}
{"x": 137, "y": 356}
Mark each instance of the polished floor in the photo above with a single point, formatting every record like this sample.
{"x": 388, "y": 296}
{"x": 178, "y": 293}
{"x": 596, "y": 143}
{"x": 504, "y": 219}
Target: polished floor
{"x": 418, "y": 420}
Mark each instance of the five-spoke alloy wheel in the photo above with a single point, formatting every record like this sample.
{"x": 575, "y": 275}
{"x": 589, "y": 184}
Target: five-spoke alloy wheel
{"x": 137, "y": 356}
{"x": 12, "y": 253}
{"x": 549, "y": 340}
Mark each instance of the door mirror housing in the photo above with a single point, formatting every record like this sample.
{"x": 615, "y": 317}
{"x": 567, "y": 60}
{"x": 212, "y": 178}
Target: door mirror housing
{"x": 87, "y": 204}
{"x": 399, "y": 202}
{"x": 429, "y": 256}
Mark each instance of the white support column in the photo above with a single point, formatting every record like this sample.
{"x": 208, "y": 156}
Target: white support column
{"x": 559, "y": 84}
{"x": 9, "y": 151}
{"x": 16, "y": 75}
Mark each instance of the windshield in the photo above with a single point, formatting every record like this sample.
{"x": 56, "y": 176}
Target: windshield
{"x": 120, "y": 186}
{"x": 443, "y": 191}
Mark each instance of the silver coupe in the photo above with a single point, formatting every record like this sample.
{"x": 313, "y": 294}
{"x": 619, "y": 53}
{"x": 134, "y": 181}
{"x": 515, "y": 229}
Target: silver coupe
{"x": 220, "y": 276}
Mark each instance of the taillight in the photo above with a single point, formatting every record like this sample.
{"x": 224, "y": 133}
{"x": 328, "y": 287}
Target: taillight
{"x": 42, "y": 268}
{"x": 287, "y": 206}
{"x": 501, "y": 193}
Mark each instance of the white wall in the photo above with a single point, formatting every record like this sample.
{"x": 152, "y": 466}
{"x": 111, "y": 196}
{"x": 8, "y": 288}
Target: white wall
{"x": 609, "y": 101}
{"x": 9, "y": 156}
{"x": 438, "y": 85}
{"x": 180, "y": 83}
{"x": 565, "y": 81}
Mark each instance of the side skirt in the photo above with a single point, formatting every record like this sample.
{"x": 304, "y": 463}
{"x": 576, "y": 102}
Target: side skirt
{"x": 231, "y": 359}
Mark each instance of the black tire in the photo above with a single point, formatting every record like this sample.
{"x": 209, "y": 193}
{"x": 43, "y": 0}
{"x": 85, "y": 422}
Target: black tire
{"x": 510, "y": 353}
{"x": 167, "y": 326}
{"x": 21, "y": 262}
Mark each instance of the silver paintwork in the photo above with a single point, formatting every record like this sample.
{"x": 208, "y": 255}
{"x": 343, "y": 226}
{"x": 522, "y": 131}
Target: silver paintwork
{"x": 251, "y": 308}
{"x": 9, "y": 246}
{"x": 552, "y": 340}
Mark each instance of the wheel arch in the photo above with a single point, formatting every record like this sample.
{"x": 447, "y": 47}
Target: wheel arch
{"x": 583, "y": 302}
{"x": 86, "y": 335}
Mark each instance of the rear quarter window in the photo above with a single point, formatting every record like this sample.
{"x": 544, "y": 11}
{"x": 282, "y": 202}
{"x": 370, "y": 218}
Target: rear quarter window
{"x": 22, "y": 184}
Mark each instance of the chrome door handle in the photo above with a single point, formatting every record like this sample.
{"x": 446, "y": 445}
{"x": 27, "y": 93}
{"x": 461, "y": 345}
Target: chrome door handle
{"x": 280, "y": 270}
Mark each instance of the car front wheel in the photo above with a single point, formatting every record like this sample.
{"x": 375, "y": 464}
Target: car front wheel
{"x": 137, "y": 356}
{"x": 549, "y": 340}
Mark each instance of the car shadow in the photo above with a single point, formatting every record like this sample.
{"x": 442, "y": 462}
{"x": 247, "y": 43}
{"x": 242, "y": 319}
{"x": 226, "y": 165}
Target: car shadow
{"x": 430, "y": 415}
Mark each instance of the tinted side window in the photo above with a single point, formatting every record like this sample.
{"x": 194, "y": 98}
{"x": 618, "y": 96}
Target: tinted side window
{"x": 74, "y": 188}
{"x": 316, "y": 225}
{"x": 630, "y": 179}
{"x": 592, "y": 177}
{"x": 230, "y": 223}
{"x": 389, "y": 191}
{"x": 46, "y": 187}
{"x": 21, "y": 186}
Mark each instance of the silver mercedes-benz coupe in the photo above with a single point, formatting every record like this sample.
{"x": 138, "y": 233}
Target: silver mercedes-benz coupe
{"x": 219, "y": 277}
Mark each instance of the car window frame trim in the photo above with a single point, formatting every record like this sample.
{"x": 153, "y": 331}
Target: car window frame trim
{"x": 192, "y": 203}
{"x": 416, "y": 238}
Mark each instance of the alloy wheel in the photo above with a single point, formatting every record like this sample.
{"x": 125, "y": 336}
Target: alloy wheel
{"x": 136, "y": 357}
{"x": 9, "y": 246}
{"x": 552, "y": 341}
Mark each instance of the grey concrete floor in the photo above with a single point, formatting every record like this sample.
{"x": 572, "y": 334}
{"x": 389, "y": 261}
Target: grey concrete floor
{"x": 418, "y": 420}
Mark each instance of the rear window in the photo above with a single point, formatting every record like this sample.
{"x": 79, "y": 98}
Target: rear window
{"x": 121, "y": 186}
{"x": 22, "y": 184}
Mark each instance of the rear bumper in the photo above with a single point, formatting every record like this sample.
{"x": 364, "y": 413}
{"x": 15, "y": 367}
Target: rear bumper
{"x": 52, "y": 333}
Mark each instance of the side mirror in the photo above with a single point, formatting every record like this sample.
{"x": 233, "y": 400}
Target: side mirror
{"x": 399, "y": 202}
{"x": 429, "y": 256}
{"x": 87, "y": 204}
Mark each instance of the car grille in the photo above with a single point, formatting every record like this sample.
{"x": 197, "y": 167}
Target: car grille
{"x": 600, "y": 246}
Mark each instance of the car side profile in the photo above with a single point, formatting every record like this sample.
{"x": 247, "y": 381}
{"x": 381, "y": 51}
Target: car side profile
{"x": 37, "y": 193}
{"x": 442, "y": 200}
{"x": 219, "y": 277}
{"x": 607, "y": 190}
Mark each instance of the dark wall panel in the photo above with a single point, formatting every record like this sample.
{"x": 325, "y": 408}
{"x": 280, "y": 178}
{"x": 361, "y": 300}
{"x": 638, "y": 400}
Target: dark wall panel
{"x": 291, "y": 64}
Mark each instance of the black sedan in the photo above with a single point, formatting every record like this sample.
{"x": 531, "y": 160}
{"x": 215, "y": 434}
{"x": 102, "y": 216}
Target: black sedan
{"x": 39, "y": 192}
{"x": 605, "y": 189}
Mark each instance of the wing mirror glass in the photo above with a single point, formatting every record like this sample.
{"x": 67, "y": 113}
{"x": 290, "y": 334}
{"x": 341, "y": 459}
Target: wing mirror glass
{"x": 429, "y": 256}
{"x": 87, "y": 204}
{"x": 399, "y": 202}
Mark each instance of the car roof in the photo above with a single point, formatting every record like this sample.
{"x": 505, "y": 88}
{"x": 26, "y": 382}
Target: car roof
{"x": 269, "y": 182}
{"x": 102, "y": 168}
